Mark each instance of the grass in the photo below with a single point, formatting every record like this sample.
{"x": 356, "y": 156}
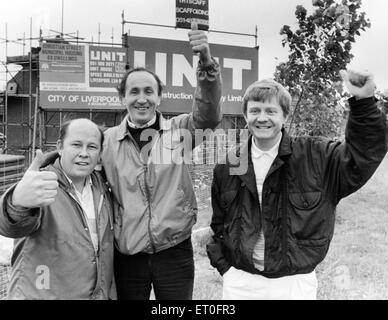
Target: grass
{"x": 355, "y": 267}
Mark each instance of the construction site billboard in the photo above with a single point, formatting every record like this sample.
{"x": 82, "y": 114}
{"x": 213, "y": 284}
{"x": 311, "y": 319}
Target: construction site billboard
{"x": 80, "y": 76}
{"x": 86, "y": 77}
{"x": 173, "y": 61}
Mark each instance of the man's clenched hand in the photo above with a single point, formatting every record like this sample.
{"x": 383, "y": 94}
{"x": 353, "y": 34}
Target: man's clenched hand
{"x": 199, "y": 43}
{"x": 359, "y": 84}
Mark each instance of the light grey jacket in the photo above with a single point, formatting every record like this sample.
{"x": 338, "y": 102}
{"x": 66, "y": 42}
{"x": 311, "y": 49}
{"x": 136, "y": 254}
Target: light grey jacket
{"x": 157, "y": 207}
{"x": 53, "y": 256}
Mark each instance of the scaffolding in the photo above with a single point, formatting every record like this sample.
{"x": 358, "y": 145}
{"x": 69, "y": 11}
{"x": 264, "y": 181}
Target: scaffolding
{"x": 34, "y": 125}
{"x": 38, "y": 126}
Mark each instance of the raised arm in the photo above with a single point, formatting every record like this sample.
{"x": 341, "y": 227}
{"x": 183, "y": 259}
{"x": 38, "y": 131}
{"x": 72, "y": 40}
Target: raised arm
{"x": 349, "y": 165}
{"x": 207, "y": 99}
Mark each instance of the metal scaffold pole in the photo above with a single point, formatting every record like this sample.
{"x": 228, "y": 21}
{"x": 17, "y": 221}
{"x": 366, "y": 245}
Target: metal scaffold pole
{"x": 30, "y": 98}
{"x": 6, "y": 92}
{"x": 63, "y": 7}
{"x": 35, "y": 124}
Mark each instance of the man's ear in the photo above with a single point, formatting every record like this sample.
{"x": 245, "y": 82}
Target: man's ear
{"x": 59, "y": 147}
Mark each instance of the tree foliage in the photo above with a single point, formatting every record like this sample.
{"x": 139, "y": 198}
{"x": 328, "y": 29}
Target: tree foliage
{"x": 318, "y": 49}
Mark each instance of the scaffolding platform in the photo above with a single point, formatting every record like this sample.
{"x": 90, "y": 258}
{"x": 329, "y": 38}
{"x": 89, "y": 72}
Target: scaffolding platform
{"x": 11, "y": 170}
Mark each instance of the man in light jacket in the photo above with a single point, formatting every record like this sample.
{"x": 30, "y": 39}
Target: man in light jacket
{"x": 150, "y": 180}
{"x": 61, "y": 218}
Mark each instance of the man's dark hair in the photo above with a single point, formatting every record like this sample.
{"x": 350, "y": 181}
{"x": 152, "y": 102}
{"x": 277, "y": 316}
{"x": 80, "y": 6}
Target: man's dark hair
{"x": 122, "y": 86}
{"x": 65, "y": 127}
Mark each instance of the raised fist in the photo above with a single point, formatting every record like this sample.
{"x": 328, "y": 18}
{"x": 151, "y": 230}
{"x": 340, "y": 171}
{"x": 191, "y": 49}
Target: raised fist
{"x": 359, "y": 84}
{"x": 199, "y": 43}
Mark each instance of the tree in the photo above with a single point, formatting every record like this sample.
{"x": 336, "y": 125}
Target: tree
{"x": 319, "y": 48}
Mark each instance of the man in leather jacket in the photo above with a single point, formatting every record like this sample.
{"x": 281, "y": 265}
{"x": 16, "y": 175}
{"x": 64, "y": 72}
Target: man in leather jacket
{"x": 273, "y": 216}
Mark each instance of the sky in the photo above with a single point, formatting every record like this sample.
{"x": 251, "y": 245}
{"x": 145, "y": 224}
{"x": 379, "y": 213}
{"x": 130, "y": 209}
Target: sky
{"x": 87, "y": 17}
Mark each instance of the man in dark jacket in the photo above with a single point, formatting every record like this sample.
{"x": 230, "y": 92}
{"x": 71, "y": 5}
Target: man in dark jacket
{"x": 273, "y": 213}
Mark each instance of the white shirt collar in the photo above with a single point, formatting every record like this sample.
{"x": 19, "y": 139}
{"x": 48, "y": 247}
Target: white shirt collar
{"x": 136, "y": 126}
{"x": 88, "y": 182}
{"x": 257, "y": 152}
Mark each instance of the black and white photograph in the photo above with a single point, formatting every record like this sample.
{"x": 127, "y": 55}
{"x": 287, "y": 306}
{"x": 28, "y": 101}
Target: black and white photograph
{"x": 193, "y": 151}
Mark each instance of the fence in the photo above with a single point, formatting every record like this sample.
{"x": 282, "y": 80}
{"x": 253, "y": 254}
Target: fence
{"x": 5, "y": 271}
{"x": 11, "y": 170}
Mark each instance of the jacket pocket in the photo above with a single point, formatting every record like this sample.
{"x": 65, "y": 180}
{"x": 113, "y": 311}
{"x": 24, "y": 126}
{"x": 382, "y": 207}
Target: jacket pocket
{"x": 227, "y": 198}
{"x": 183, "y": 218}
{"x": 305, "y": 200}
{"x": 229, "y": 206}
{"x": 308, "y": 253}
{"x": 307, "y": 217}
{"x": 312, "y": 242}
{"x": 229, "y": 203}
{"x": 186, "y": 201}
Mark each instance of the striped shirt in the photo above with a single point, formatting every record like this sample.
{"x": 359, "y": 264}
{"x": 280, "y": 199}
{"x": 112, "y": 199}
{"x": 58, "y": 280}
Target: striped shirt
{"x": 262, "y": 161}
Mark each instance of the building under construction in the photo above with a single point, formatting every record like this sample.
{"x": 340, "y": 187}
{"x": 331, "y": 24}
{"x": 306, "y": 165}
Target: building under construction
{"x": 24, "y": 123}
{"x": 29, "y": 121}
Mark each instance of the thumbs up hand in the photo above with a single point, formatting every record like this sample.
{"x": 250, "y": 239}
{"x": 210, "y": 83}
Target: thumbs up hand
{"x": 199, "y": 44}
{"x": 36, "y": 188}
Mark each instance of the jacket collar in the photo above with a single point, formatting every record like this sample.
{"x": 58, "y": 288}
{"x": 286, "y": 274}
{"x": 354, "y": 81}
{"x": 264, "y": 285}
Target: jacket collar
{"x": 123, "y": 126}
{"x": 285, "y": 145}
{"x": 245, "y": 169}
{"x": 148, "y": 124}
{"x": 244, "y": 150}
{"x": 98, "y": 187}
{"x": 257, "y": 153}
{"x": 64, "y": 181}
